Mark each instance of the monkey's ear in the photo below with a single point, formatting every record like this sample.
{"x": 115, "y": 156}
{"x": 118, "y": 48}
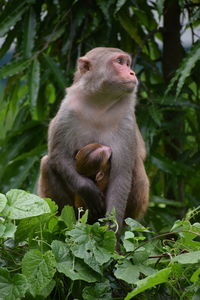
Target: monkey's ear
{"x": 99, "y": 176}
{"x": 84, "y": 65}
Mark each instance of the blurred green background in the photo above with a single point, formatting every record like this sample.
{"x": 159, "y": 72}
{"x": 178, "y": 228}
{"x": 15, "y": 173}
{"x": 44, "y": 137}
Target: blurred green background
{"x": 40, "y": 43}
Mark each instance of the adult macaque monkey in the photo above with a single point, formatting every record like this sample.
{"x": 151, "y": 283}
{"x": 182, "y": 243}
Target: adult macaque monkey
{"x": 99, "y": 108}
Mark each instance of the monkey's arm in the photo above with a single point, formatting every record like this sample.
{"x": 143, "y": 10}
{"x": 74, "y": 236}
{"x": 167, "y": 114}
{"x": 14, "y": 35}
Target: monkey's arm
{"x": 140, "y": 143}
{"x": 139, "y": 194}
{"x": 61, "y": 161}
{"x": 122, "y": 161}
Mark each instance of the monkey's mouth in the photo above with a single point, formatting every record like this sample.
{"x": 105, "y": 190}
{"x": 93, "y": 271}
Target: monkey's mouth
{"x": 129, "y": 83}
{"x": 134, "y": 82}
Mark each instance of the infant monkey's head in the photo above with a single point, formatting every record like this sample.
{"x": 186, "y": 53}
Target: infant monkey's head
{"x": 93, "y": 161}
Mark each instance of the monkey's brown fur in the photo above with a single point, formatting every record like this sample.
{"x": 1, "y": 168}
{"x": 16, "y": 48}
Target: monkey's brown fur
{"x": 99, "y": 108}
{"x": 93, "y": 161}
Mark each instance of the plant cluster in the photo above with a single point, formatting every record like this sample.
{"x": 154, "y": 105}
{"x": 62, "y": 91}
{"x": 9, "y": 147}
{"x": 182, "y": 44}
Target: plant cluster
{"x": 45, "y": 256}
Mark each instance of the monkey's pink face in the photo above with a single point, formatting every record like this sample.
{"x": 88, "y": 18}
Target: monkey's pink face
{"x": 122, "y": 73}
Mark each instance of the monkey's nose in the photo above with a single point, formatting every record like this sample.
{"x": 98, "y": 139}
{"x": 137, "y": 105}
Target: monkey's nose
{"x": 132, "y": 73}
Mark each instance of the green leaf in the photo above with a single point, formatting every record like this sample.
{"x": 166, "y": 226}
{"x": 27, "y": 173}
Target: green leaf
{"x": 104, "y": 6}
{"x": 33, "y": 85}
{"x": 39, "y": 269}
{"x": 56, "y": 71}
{"x": 23, "y": 205}
{"x": 185, "y": 69}
{"x": 128, "y": 24}
{"x": 48, "y": 289}
{"x": 2, "y": 230}
{"x": 160, "y": 7}
{"x": 128, "y": 241}
{"x": 172, "y": 167}
{"x": 195, "y": 276}
{"x": 30, "y": 227}
{"x": 13, "y": 68}
{"x": 94, "y": 244}
{"x": 187, "y": 66}
{"x": 12, "y": 13}
{"x": 3, "y": 201}
{"x": 12, "y": 287}
{"x": 127, "y": 272}
{"x": 29, "y": 33}
{"x": 119, "y": 5}
{"x": 10, "y": 230}
{"x": 130, "y": 272}
{"x": 68, "y": 216}
{"x": 161, "y": 200}
{"x": 72, "y": 267}
{"x": 100, "y": 291}
{"x": 187, "y": 258}
{"x": 50, "y": 93}
{"x": 149, "y": 282}
{"x": 135, "y": 226}
{"x": 7, "y": 43}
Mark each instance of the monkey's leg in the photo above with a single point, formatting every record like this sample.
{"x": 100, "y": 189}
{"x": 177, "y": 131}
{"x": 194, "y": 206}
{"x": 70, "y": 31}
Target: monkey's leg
{"x": 51, "y": 186}
{"x": 139, "y": 194}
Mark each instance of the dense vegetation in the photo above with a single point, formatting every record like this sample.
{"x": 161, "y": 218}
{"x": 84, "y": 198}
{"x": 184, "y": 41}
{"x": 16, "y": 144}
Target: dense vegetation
{"x": 41, "y": 42}
{"x": 44, "y": 256}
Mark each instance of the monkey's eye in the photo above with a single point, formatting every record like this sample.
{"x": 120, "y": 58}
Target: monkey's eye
{"x": 120, "y": 60}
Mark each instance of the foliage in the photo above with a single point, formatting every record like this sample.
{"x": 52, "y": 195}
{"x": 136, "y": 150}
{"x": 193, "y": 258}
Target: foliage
{"x": 41, "y": 42}
{"x": 45, "y": 256}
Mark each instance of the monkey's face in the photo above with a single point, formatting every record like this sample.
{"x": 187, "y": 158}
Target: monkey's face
{"x": 106, "y": 70}
{"x": 121, "y": 75}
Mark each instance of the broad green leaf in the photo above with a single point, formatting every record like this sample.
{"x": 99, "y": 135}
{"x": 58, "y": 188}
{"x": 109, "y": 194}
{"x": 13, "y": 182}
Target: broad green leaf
{"x": 128, "y": 241}
{"x": 29, "y": 33}
{"x": 94, "y": 244}
{"x": 3, "y": 201}
{"x": 56, "y": 71}
{"x": 12, "y": 286}
{"x": 135, "y": 226}
{"x": 130, "y": 272}
{"x": 48, "y": 289}
{"x": 68, "y": 216}
{"x": 30, "y": 227}
{"x": 100, "y": 291}
{"x": 22, "y": 205}
{"x": 187, "y": 258}
{"x": 33, "y": 85}
{"x": 127, "y": 272}
{"x": 72, "y": 267}
{"x": 39, "y": 269}
{"x": 13, "y": 68}
{"x": 149, "y": 282}
{"x": 12, "y": 13}
{"x": 10, "y": 230}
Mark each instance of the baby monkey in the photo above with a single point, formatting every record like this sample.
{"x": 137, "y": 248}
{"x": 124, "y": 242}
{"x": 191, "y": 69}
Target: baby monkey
{"x": 93, "y": 161}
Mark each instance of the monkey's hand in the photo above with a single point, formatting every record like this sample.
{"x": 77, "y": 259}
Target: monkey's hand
{"x": 93, "y": 198}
